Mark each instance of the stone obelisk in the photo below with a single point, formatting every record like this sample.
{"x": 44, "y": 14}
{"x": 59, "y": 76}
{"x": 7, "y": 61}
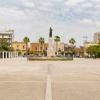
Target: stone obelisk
{"x": 51, "y": 50}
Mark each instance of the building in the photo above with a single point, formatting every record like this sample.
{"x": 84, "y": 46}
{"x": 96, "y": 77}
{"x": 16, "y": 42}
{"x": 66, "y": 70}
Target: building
{"x": 93, "y": 43}
{"x": 8, "y": 35}
{"x": 65, "y": 47}
{"x": 19, "y": 46}
{"x": 88, "y": 44}
{"x": 34, "y": 46}
{"x": 60, "y": 46}
{"x": 37, "y": 47}
{"x": 97, "y": 37}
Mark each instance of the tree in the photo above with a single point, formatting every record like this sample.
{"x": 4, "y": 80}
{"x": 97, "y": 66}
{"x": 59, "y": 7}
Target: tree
{"x": 57, "y": 39}
{"x": 4, "y": 46}
{"x": 26, "y": 41}
{"x": 94, "y": 51}
{"x": 41, "y": 43}
{"x": 72, "y": 41}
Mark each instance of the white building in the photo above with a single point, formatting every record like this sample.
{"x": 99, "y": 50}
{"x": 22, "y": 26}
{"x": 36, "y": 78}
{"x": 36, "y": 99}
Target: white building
{"x": 97, "y": 37}
{"x": 8, "y": 35}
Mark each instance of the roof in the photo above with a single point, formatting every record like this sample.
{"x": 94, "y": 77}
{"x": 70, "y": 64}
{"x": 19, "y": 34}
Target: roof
{"x": 18, "y": 42}
{"x": 7, "y": 32}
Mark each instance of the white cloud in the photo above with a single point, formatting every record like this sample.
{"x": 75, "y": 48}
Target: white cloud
{"x": 73, "y": 2}
{"x": 87, "y": 21}
{"x": 97, "y": 24}
{"x": 38, "y": 15}
{"x": 29, "y": 4}
{"x": 11, "y": 16}
{"x": 87, "y": 5}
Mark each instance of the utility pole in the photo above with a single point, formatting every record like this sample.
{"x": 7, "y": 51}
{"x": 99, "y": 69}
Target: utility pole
{"x": 85, "y": 38}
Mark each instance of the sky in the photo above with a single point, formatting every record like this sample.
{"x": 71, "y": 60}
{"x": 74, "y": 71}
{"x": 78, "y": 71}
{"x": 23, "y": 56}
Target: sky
{"x": 68, "y": 18}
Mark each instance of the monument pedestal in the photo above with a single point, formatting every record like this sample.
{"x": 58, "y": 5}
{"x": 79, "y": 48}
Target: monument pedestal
{"x": 51, "y": 49}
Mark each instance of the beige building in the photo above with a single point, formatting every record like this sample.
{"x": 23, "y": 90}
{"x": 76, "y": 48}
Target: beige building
{"x": 88, "y": 44}
{"x": 97, "y": 37}
{"x": 19, "y": 46}
{"x": 8, "y": 35}
{"x": 61, "y": 46}
{"x": 93, "y": 43}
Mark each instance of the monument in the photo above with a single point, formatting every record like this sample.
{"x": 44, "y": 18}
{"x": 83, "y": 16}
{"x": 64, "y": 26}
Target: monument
{"x": 51, "y": 48}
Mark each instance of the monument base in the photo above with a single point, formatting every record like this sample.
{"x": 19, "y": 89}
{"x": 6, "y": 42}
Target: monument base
{"x": 51, "y": 49}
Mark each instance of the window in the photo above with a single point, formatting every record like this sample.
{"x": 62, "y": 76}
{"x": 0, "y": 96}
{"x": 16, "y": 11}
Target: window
{"x": 23, "y": 47}
{"x": 17, "y": 46}
{"x": 35, "y": 48}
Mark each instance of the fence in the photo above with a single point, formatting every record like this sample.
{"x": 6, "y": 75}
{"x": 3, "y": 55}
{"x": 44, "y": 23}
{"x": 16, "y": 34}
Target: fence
{"x": 6, "y": 54}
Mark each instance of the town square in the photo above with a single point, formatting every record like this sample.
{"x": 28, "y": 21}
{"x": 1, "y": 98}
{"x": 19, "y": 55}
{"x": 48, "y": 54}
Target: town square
{"x": 49, "y": 49}
{"x": 53, "y": 76}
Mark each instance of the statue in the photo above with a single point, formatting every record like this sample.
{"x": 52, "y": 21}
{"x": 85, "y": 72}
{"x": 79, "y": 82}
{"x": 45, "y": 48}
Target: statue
{"x": 51, "y": 50}
{"x": 50, "y": 34}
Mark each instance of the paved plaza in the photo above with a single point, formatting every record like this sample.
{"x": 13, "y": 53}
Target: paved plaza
{"x": 69, "y": 80}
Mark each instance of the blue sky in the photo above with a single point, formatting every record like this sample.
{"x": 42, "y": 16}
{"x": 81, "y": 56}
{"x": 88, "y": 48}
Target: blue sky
{"x": 68, "y": 18}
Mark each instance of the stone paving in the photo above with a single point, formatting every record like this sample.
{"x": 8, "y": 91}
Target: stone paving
{"x": 70, "y": 80}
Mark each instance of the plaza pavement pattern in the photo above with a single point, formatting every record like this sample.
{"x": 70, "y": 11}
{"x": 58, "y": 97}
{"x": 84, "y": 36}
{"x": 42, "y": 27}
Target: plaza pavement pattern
{"x": 45, "y": 80}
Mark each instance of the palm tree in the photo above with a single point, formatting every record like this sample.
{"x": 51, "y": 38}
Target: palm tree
{"x": 72, "y": 46}
{"x": 57, "y": 39}
{"x": 72, "y": 41}
{"x": 41, "y": 42}
{"x": 26, "y": 41}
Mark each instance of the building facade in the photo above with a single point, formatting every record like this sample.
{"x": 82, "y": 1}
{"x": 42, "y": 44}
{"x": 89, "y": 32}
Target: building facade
{"x": 88, "y": 44}
{"x": 97, "y": 38}
{"x": 59, "y": 46}
{"x": 8, "y": 36}
{"x": 19, "y": 46}
{"x": 37, "y": 47}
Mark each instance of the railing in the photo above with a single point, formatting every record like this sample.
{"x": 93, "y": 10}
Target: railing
{"x": 6, "y": 54}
